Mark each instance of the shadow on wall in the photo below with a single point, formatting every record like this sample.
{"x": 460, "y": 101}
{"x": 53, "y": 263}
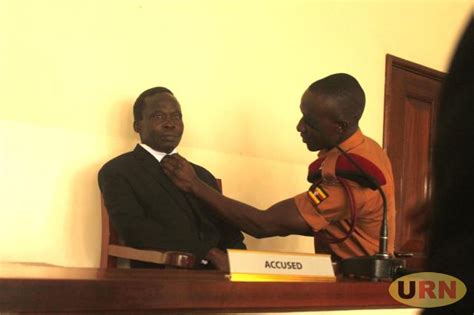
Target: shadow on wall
{"x": 82, "y": 227}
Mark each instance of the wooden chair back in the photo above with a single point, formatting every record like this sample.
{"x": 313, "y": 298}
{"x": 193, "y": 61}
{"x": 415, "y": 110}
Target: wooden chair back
{"x": 109, "y": 236}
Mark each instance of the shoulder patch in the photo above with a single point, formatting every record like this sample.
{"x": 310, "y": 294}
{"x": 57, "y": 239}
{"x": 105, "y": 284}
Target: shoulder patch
{"x": 317, "y": 194}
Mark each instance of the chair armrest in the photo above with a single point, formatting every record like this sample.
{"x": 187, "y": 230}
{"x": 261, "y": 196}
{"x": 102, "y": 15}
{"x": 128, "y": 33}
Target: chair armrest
{"x": 168, "y": 258}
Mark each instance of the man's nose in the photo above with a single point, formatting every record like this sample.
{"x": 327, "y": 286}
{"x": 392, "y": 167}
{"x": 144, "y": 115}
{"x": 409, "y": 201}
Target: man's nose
{"x": 299, "y": 126}
{"x": 169, "y": 123}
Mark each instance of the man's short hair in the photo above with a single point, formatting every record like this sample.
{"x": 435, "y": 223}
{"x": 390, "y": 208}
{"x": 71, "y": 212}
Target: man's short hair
{"x": 140, "y": 102}
{"x": 345, "y": 91}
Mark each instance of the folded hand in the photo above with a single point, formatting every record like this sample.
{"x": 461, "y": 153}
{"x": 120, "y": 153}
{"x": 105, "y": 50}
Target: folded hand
{"x": 219, "y": 259}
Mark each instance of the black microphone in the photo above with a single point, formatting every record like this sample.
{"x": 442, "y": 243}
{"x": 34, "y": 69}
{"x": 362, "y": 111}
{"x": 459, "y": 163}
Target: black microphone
{"x": 381, "y": 266}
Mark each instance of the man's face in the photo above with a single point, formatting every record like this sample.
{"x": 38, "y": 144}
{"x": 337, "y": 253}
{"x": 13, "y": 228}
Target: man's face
{"x": 317, "y": 127}
{"x": 161, "y": 126}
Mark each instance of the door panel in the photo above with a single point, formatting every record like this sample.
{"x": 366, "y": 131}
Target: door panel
{"x": 411, "y": 104}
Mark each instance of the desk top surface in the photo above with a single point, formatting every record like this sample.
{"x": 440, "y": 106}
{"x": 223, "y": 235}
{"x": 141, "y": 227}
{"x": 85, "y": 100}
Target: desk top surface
{"x": 37, "y": 287}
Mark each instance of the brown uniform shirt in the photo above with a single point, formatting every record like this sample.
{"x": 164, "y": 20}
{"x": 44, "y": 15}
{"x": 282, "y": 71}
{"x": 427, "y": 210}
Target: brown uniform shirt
{"x": 333, "y": 215}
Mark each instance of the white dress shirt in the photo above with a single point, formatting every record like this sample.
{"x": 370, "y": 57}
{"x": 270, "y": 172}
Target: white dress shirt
{"x": 157, "y": 154}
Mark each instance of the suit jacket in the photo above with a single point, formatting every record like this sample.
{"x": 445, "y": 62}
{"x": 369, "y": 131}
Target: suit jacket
{"x": 150, "y": 212}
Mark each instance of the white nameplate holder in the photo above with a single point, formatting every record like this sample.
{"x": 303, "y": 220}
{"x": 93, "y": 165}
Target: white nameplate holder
{"x": 252, "y": 266}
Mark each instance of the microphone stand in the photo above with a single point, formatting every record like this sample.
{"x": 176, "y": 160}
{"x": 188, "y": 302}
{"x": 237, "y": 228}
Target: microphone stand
{"x": 381, "y": 266}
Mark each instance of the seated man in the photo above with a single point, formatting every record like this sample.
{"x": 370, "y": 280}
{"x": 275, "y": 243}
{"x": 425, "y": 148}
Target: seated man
{"x": 146, "y": 208}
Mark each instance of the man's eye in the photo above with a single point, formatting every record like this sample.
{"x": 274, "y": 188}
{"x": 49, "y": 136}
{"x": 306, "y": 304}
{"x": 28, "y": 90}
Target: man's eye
{"x": 157, "y": 116}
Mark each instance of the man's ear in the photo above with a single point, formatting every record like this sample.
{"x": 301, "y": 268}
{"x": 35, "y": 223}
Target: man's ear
{"x": 137, "y": 126}
{"x": 342, "y": 126}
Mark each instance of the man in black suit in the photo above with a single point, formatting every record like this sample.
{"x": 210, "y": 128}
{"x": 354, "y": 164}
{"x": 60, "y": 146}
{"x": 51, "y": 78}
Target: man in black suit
{"x": 146, "y": 208}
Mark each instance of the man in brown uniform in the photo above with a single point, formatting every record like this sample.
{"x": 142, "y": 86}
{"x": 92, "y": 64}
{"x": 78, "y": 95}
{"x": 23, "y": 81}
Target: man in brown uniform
{"x": 340, "y": 210}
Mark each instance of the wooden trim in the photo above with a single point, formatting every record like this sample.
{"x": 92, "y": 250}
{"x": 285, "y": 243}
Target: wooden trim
{"x": 414, "y": 68}
{"x": 388, "y": 83}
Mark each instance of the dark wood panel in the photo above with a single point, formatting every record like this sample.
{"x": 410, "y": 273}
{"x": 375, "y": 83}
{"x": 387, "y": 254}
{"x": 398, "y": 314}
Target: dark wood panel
{"x": 414, "y": 173}
{"x": 411, "y": 104}
{"x": 48, "y": 289}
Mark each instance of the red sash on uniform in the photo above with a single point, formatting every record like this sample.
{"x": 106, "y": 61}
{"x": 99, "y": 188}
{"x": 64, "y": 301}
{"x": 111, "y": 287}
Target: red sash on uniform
{"x": 344, "y": 170}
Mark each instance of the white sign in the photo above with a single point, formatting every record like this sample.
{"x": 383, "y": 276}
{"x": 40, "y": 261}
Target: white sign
{"x": 247, "y": 265}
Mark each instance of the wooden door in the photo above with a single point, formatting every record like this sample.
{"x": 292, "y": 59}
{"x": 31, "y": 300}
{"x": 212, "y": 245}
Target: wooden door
{"x": 411, "y": 105}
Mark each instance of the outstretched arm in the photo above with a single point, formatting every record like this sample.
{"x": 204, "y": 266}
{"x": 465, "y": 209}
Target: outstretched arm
{"x": 281, "y": 219}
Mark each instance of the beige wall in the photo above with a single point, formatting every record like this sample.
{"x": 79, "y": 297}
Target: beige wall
{"x": 70, "y": 70}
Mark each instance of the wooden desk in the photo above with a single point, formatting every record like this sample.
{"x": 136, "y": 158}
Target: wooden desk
{"x": 36, "y": 288}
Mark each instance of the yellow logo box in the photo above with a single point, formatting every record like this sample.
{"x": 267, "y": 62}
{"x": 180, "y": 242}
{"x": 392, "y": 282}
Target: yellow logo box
{"x": 427, "y": 289}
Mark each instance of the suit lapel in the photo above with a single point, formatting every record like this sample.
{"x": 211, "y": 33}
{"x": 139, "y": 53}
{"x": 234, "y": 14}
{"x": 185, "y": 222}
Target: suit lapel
{"x": 153, "y": 167}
